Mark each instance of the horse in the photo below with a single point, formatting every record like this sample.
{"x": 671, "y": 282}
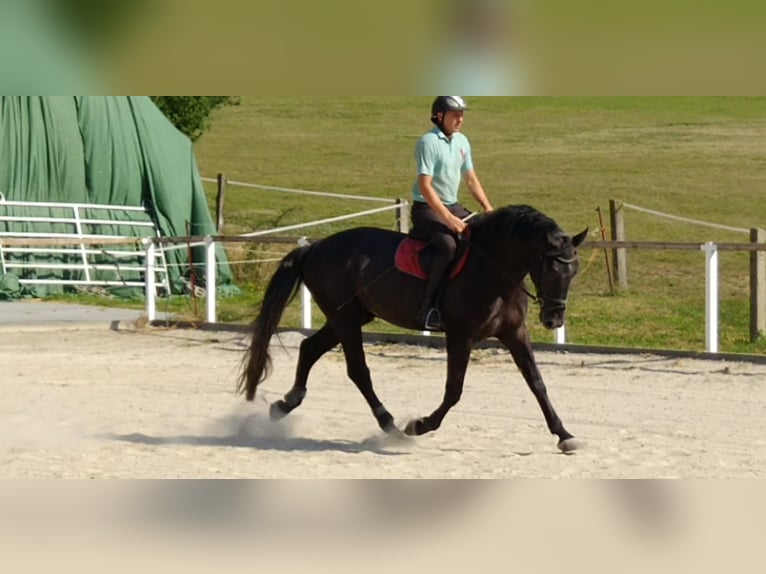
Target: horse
{"x": 353, "y": 278}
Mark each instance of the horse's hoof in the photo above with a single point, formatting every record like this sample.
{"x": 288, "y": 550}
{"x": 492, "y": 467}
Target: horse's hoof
{"x": 412, "y": 428}
{"x": 569, "y": 445}
{"x": 277, "y": 411}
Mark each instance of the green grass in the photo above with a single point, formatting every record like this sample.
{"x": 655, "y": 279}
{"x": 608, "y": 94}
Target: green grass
{"x": 702, "y": 158}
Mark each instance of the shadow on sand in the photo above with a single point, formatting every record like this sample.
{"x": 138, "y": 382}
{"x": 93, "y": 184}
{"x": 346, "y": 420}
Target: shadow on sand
{"x": 376, "y": 445}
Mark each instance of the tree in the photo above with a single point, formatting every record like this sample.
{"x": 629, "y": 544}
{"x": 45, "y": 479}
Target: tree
{"x": 190, "y": 114}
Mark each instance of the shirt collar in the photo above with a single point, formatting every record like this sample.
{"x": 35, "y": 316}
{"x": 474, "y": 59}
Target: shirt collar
{"x": 440, "y": 134}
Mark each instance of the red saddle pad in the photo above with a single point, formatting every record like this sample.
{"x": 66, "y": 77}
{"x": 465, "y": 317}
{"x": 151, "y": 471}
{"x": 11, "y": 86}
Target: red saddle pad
{"x": 407, "y": 259}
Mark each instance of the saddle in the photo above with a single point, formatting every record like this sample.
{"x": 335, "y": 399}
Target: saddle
{"x": 414, "y": 257}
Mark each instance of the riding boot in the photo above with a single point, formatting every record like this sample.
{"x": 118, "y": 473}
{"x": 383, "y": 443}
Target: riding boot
{"x": 428, "y": 314}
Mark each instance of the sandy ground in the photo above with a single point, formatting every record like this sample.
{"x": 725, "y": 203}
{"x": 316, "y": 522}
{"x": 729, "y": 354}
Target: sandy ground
{"x": 91, "y": 402}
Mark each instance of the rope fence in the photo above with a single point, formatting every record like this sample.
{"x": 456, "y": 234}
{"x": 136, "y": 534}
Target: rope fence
{"x": 619, "y": 246}
{"x": 685, "y": 219}
{"x": 301, "y": 191}
{"x": 277, "y": 230}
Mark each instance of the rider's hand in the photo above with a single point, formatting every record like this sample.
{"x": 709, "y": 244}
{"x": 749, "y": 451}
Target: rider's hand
{"x": 456, "y": 224}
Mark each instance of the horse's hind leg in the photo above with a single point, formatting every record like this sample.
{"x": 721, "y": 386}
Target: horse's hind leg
{"x": 312, "y": 349}
{"x": 357, "y": 369}
{"x": 521, "y": 350}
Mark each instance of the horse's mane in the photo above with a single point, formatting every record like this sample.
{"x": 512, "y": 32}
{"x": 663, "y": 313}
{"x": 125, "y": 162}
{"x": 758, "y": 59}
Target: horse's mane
{"x": 518, "y": 222}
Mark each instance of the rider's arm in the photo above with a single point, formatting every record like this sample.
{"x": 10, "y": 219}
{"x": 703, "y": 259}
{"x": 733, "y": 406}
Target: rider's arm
{"x": 476, "y": 189}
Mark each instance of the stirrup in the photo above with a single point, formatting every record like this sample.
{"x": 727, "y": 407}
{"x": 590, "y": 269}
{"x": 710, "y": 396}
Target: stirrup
{"x": 433, "y": 320}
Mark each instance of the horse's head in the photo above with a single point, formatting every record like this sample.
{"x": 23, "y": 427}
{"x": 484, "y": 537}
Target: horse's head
{"x": 552, "y": 272}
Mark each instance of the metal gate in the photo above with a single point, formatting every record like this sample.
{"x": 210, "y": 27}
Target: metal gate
{"x": 78, "y": 245}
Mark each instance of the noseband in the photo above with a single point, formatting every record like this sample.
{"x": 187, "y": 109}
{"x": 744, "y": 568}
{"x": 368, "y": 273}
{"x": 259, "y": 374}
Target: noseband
{"x": 547, "y": 303}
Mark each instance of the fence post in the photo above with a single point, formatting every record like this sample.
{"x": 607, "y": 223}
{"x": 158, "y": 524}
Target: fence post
{"x": 617, "y": 217}
{"x": 560, "y": 337}
{"x": 609, "y": 274}
{"x": 305, "y": 295}
{"x": 306, "y": 305}
{"x": 403, "y": 216}
{"x": 210, "y": 280}
{"x": 149, "y": 281}
{"x": 711, "y": 296}
{"x": 219, "y": 201}
{"x": 757, "y": 287}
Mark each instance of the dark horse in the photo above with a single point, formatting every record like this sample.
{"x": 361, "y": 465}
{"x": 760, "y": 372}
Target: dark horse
{"x": 352, "y": 278}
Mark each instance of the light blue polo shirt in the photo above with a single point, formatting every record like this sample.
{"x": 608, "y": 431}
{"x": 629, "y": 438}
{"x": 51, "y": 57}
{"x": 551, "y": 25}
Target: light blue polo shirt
{"x": 445, "y": 160}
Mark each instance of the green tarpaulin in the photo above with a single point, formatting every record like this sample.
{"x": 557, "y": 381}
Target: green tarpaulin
{"x": 105, "y": 150}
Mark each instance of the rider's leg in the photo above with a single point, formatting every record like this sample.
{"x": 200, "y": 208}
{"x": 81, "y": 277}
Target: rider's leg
{"x": 444, "y": 251}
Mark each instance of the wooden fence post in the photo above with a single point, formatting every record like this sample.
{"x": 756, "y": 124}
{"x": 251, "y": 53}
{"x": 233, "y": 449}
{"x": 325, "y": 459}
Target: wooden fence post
{"x": 609, "y": 274}
{"x": 219, "y": 201}
{"x": 403, "y": 216}
{"x": 757, "y": 287}
{"x": 617, "y": 216}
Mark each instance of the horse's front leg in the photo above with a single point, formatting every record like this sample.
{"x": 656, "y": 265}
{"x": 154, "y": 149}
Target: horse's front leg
{"x": 518, "y": 344}
{"x": 458, "y": 355}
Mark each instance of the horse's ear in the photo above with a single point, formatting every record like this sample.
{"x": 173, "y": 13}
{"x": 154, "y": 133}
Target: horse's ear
{"x": 579, "y": 238}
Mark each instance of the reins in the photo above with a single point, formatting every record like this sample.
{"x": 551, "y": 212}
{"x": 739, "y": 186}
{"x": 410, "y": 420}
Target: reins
{"x": 536, "y": 299}
{"x": 540, "y": 299}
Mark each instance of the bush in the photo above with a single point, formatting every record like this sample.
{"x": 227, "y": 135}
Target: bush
{"x": 190, "y": 114}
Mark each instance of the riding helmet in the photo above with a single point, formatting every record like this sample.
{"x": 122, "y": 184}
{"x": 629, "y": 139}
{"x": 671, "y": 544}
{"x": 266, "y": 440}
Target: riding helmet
{"x": 447, "y": 104}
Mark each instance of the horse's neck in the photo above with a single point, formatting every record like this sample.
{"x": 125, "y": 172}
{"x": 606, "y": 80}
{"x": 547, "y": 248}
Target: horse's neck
{"x": 508, "y": 258}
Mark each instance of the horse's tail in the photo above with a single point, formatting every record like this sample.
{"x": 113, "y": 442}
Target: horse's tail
{"x": 256, "y": 364}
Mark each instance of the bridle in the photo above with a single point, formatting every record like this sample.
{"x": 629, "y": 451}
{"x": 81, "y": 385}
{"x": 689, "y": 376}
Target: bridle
{"x": 541, "y": 299}
{"x": 544, "y": 301}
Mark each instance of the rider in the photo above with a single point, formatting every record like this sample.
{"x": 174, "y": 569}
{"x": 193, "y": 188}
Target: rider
{"x": 442, "y": 157}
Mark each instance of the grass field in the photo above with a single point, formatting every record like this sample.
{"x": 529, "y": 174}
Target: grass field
{"x": 701, "y": 158}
